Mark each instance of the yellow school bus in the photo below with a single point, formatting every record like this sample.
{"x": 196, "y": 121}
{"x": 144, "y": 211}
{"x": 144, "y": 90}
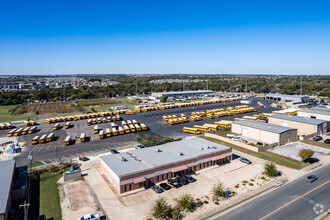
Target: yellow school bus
{"x": 211, "y": 127}
{"x": 131, "y": 126}
{"x": 47, "y": 121}
{"x": 67, "y": 125}
{"x": 35, "y": 140}
{"x": 96, "y": 129}
{"x": 123, "y": 123}
{"x": 144, "y": 127}
{"x": 118, "y": 118}
{"x": 89, "y": 122}
{"x": 52, "y": 120}
{"x": 63, "y": 119}
{"x": 121, "y": 130}
{"x": 210, "y": 116}
{"x": 42, "y": 139}
{"x": 18, "y": 132}
{"x": 126, "y": 128}
{"x": 134, "y": 122}
{"x": 114, "y": 131}
{"x": 9, "y": 125}
{"x": 99, "y": 120}
{"x": 94, "y": 121}
{"x": 32, "y": 122}
{"x": 200, "y": 128}
{"x": 32, "y": 129}
{"x": 165, "y": 118}
{"x": 129, "y": 122}
{"x": 11, "y": 133}
{"x": 26, "y": 130}
{"x": 26, "y": 123}
{"x": 114, "y": 118}
{"x": 82, "y": 137}
{"x": 108, "y": 132}
{"x": 109, "y": 119}
{"x": 67, "y": 140}
{"x": 50, "y": 137}
{"x": 56, "y": 126}
{"x": 137, "y": 127}
{"x": 104, "y": 120}
{"x": 101, "y": 134}
{"x": 191, "y": 130}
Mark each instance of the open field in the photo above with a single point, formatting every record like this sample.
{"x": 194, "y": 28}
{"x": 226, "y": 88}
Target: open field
{"x": 105, "y": 104}
{"x": 266, "y": 155}
{"x": 6, "y": 116}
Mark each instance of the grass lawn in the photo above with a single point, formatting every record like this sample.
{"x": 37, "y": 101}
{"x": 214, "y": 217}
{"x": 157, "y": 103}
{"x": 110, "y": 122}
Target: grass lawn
{"x": 317, "y": 143}
{"x": 49, "y": 198}
{"x": 266, "y": 155}
{"x": 105, "y": 104}
{"x": 5, "y": 115}
{"x": 34, "y": 164}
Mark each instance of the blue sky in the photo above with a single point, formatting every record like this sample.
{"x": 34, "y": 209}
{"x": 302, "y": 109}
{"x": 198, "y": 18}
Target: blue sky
{"x": 153, "y": 36}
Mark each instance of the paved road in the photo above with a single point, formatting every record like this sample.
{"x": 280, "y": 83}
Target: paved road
{"x": 296, "y": 200}
{"x": 48, "y": 152}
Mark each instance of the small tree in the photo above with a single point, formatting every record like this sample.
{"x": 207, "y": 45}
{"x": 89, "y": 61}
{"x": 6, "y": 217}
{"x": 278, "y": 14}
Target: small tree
{"x": 270, "y": 169}
{"x": 218, "y": 191}
{"x": 163, "y": 98}
{"x": 186, "y": 202}
{"x": 161, "y": 209}
{"x": 306, "y": 154}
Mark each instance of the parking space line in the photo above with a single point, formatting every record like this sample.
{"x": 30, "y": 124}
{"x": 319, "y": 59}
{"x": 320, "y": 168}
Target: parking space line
{"x": 58, "y": 142}
{"x": 71, "y": 156}
{"x": 50, "y": 145}
{"x": 35, "y": 147}
{"x": 41, "y": 147}
{"x": 65, "y": 158}
{"x": 50, "y": 160}
{"x": 97, "y": 150}
{"x": 104, "y": 148}
{"x": 93, "y": 137}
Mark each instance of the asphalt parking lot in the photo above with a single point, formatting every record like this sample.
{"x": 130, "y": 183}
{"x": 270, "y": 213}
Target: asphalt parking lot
{"x": 51, "y": 151}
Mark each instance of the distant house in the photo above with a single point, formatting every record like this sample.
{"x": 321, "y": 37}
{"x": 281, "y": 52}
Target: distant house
{"x": 181, "y": 94}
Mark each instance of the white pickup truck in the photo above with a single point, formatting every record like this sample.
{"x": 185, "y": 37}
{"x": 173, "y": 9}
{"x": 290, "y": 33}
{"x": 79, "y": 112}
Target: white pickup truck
{"x": 90, "y": 217}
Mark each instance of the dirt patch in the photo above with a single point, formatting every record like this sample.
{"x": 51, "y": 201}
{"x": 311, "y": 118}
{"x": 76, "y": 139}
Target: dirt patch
{"x": 76, "y": 200}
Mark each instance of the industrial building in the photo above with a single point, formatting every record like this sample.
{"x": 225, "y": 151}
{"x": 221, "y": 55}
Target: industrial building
{"x": 143, "y": 167}
{"x": 7, "y": 170}
{"x": 264, "y": 132}
{"x": 287, "y": 98}
{"x": 316, "y": 112}
{"x": 304, "y": 126}
{"x": 182, "y": 94}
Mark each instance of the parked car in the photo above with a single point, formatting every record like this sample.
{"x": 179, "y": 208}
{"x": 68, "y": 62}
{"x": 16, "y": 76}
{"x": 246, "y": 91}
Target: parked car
{"x": 42, "y": 217}
{"x": 327, "y": 141}
{"x": 190, "y": 179}
{"x": 182, "y": 180}
{"x": 230, "y": 136}
{"x": 245, "y": 160}
{"x": 237, "y": 138}
{"x": 317, "y": 138}
{"x": 174, "y": 183}
{"x": 114, "y": 151}
{"x": 90, "y": 217}
{"x": 311, "y": 178}
{"x": 157, "y": 189}
{"x": 165, "y": 186}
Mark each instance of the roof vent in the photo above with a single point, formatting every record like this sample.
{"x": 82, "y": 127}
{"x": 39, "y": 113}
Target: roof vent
{"x": 123, "y": 159}
{"x": 159, "y": 150}
{"x": 202, "y": 148}
{"x": 181, "y": 154}
{"x": 208, "y": 147}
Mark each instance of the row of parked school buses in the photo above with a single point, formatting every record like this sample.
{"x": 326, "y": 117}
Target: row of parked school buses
{"x": 125, "y": 128}
{"x": 6, "y": 125}
{"x": 180, "y": 105}
{"x": 22, "y": 131}
{"x": 77, "y": 117}
{"x": 29, "y": 123}
{"x": 173, "y": 119}
{"x": 103, "y": 120}
{"x": 197, "y": 129}
{"x": 43, "y": 138}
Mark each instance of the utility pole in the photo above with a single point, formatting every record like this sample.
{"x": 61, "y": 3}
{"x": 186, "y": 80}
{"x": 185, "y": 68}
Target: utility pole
{"x": 207, "y": 84}
{"x": 182, "y": 84}
{"x": 63, "y": 92}
{"x": 136, "y": 87}
{"x": 300, "y": 85}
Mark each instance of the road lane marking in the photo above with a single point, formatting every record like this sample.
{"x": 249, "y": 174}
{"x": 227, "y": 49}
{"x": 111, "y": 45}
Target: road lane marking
{"x": 294, "y": 200}
{"x": 50, "y": 145}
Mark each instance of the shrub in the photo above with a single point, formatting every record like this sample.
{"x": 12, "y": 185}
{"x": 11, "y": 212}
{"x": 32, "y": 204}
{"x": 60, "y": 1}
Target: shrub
{"x": 161, "y": 209}
{"x": 252, "y": 180}
{"x": 270, "y": 169}
{"x": 217, "y": 203}
{"x": 236, "y": 186}
{"x": 250, "y": 184}
{"x": 245, "y": 181}
{"x": 306, "y": 154}
{"x": 206, "y": 202}
{"x": 186, "y": 202}
{"x": 218, "y": 191}
{"x": 263, "y": 178}
{"x": 175, "y": 214}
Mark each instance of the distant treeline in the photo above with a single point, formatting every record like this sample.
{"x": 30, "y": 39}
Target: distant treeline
{"x": 286, "y": 85}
